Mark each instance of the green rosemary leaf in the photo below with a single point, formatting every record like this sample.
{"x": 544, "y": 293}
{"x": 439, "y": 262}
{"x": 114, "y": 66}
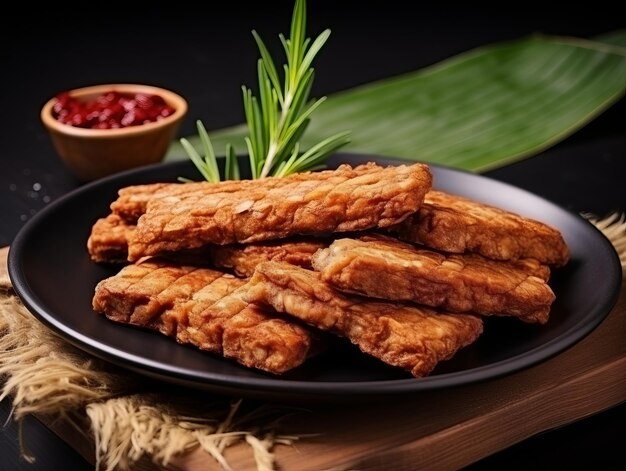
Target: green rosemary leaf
{"x": 291, "y": 141}
{"x": 277, "y": 120}
{"x": 253, "y": 115}
{"x": 285, "y": 42}
{"x": 297, "y": 36}
{"x": 268, "y": 106}
{"x": 295, "y": 130}
{"x": 254, "y": 170}
{"x": 209, "y": 155}
{"x": 301, "y": 96}
{"x": 286, "y": 166}
{"x": 198, "y": 161}
{"x": 304, "y": 115}
{"x": 231, "y": 166}
{"x": 269, "y": 65}
{"x": 315, "y": 155}
{"x": 315, "y": 48}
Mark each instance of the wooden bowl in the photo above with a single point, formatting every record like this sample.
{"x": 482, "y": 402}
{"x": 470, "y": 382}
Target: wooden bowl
{"x": 94, "y": 153}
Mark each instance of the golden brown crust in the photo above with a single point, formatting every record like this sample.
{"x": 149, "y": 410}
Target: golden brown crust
{"x": 202, "y": 307}
{"x": 159, "y": 295}
{"x": 456, "y": 224}
{"x": 243, "y": 259}
{"x": 316, "y": 203}
{"x": 108, "y": 243}
{"x": 409, "y": 337}
{"x": 252, "y": 335}
{"x": 385, "y": 268}
{"x": 132, "y": 200}
{"x": 108, "y": 240}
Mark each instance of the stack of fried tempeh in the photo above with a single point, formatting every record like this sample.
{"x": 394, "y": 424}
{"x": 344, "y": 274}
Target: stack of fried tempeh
{"x": 255, "y": 269}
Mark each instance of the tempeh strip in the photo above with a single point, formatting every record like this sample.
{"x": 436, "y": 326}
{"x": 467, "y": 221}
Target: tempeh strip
{"x": 409, "y": 337}
{"x": 132, "y": 200}
{"x": 177, "y": 301}
{"x": 108, "y": 243}
{"x": 337, "y": 202}
{"x": 154, "y": 294}
{"x": 385, "y": 268}
{"x": 243, "y": 259}
{"x": 456, "y": 224}
{"x": 252, "y": 335}
{"x": 108, "y": 240}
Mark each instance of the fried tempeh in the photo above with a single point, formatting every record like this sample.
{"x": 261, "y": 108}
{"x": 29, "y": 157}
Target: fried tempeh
{"x": 409, "y": 337}
{"x": 201, "y": 307}
{"x": 243, "y": 259}
{"x": 108, "y": 243}
{"x": 313, "y": 203}
{"x": 456, "y": 224}
{"x": 254, "y": 336}
{"x": 385, "y": 268}
{"x": 108, "y": 240}
{"x": 159, "y": 295}
{"x": 132, "y": 201}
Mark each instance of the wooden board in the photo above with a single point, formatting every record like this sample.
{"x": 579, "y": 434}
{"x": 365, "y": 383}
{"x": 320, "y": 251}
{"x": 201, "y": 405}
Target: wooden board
{"x": 454, "y": 428}
{"x": 443, "y": 429}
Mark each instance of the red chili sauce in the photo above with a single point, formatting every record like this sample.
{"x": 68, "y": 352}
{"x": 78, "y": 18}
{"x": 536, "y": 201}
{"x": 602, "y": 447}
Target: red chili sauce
{"x": 110, "y": 110}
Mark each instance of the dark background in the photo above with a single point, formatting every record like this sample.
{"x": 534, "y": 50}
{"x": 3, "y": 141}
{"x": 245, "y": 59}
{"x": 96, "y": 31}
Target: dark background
{"x": 207, "y": 52}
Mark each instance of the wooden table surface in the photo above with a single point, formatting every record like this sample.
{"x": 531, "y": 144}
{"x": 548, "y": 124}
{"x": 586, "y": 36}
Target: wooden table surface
{"x": 446, "y": 429}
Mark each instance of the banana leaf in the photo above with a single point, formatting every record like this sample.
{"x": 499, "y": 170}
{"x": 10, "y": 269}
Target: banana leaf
{"x": 476, "y": 111}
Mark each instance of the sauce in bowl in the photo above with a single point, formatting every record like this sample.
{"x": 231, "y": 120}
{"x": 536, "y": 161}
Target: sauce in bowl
{"x": 110, "y": 110}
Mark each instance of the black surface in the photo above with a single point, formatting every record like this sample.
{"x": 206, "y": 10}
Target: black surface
{"x": 206, "y": 55}
{"x": 48, "y": 257}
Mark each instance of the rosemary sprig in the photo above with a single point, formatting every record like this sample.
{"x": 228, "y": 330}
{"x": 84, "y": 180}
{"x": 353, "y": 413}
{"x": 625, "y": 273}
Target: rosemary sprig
{"x": 279, "y": 117}
{"x": 206, "y": 165}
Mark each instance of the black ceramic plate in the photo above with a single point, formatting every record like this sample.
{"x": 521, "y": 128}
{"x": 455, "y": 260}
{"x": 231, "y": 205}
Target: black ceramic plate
{"x": 53, "y": 275}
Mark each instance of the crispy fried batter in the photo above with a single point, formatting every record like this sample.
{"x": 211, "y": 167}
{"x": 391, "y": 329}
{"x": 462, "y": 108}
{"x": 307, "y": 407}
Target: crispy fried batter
{"x": 313, "y": 203}
{"x": 252, "y": 335}
{"x": 159, "y": 295}
{"x": 243, "y": 259}
{"x": 409, "y": 337}
{"x": 108, "y": 243}
{"x": 385, "y": 268}
{"x": 108, "y": 240}
{"x": 133, "y": 200}
{"x": 201, "y": 307}
{"x": 455, "y": 224}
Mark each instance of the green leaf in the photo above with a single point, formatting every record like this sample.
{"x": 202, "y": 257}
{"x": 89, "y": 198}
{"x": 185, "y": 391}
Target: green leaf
{"x": 231, "y": 166}
{"x": 315, "y": 156}
{"x": 297, "y": 39}
{"x": 479, "y": 110}
{"x": 301, "y": 96}
{"x": 210, "y": 161}
{"x": 315, "y": 48}
{"x": 268, "y": 64}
